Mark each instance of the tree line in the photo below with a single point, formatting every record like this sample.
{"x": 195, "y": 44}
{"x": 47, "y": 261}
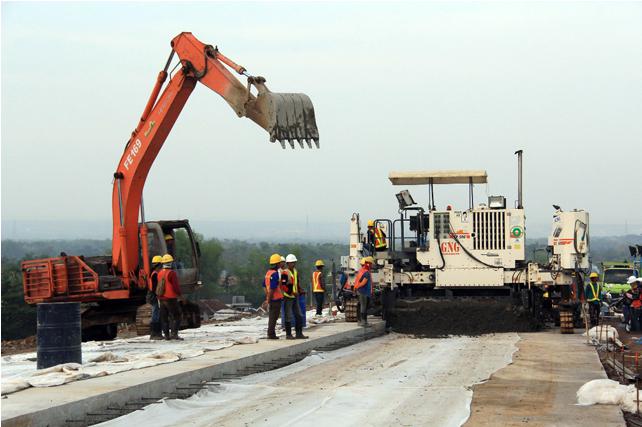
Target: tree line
{"x": 228, "y": 267}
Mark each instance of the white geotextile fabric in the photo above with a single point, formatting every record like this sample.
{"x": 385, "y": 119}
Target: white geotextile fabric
{"x": 600, "y": 334}
{"x": 608, "y": 392}
{"x": 111, "y": 357}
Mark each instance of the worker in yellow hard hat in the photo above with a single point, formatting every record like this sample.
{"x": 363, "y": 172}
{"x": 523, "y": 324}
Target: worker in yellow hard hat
{"x": 169, "y": 293}
{"x": 273, "y": 294}
{"x": 318, "y": 285}
{"x": 170, "y": 244}
{"x": 152, "y": 299}
{"x": 363, "y": 288}
{"x": 376, "y": 238}
{"x": 593, "y": 293}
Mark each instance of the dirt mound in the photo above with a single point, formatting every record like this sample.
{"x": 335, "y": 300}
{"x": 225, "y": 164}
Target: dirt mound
{"x": 440, "y": 318}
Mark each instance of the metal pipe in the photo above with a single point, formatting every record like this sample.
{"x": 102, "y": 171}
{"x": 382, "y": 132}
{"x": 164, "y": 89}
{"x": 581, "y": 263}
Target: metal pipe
{"x": 520, "y": 205}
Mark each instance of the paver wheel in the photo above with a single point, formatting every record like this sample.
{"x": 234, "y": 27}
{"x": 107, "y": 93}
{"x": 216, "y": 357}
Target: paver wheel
{"x": 351, "y": 309}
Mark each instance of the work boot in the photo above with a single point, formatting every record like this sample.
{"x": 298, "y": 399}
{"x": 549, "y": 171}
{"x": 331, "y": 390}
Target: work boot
{"x": 175, "y": 336}
{"x": 365, "y": 321}
{"x": 288, "y": 331}
{"x": 299, "y": 334}
{"x": 272, "y": 337}
{"x": 156, "y": 333}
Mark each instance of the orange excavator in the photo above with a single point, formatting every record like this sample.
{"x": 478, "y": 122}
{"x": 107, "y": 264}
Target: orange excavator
{"x": 114, "y": 287}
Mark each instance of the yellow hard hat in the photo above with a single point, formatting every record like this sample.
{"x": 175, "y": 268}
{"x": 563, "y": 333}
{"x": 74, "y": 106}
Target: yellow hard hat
{"x": 275, "y": 259}
{"x": 169, "y": 237}
{"x": 319, "y": 263}
{"x": 157, "y": 259}
{"x": 594, "y": 274}
{"x": 167, "y": 258}
{"x": 368, "y": 259}
{"x": 370, "y": 223}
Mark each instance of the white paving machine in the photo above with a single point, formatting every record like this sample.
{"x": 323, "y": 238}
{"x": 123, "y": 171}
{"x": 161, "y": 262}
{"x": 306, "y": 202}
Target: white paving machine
{"x": 479, "y": 252}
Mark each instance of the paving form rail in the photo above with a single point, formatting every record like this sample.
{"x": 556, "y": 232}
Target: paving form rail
{"x": 99, "y": 399}
{"x": 539, "y": 388}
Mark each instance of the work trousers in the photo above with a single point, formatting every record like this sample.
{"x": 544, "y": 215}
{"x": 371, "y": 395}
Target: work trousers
{"x": 635, "y": 319}
{"x": 303, "y": 308}
{"x": 364, "y": 302}
{"x": 170, "y": 316}
{"x": 594, "y": 312}
{"x": 292, "y": 312}
{"x": 152, "y": 299}
{"x": 318, "y": 298}
{"x": 626, "y": 311}
{"x": 274, "y": 310}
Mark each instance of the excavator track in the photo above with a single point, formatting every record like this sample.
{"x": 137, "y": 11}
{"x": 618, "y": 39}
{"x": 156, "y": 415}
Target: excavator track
{"x": 143, "y": 319}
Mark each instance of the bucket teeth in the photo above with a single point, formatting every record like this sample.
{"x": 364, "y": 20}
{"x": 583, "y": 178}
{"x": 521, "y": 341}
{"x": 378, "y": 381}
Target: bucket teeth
{"x": 290, "y": 118}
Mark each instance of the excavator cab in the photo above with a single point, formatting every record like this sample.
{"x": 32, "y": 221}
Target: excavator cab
{"x": 177, "y": 239}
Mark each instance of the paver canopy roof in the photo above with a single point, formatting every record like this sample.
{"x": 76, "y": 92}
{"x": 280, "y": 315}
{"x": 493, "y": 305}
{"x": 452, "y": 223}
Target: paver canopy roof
{"x": 438, "y": 177}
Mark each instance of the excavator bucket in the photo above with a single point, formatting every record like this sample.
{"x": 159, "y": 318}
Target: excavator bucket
{"x": 288, "y": 117}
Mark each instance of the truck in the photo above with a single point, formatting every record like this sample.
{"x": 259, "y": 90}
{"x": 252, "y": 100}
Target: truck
{"x": 112, "y": 289}
{"x": 614, "y": 276}
{"x": 475, "y": 252}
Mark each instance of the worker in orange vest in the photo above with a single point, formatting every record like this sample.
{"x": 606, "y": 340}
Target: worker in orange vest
{"x": 376, "y": 238}
{"x": 318, "y": 286}
{"x": 363, "y": 287}
{"x": 155, "y": 325}
{"x": 169, "y": 292}
{"x": 273, "y": 295}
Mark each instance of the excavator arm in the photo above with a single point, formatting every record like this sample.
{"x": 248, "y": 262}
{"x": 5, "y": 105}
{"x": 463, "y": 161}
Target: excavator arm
{"x": 288, "y": 118}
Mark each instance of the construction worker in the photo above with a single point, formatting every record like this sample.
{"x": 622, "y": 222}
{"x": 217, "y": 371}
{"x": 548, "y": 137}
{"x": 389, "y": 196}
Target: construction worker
{"x": 273, "y": 295}
{"x": 290, "y": 290}
{"x": 363, "y": 286}
{"x": 169, "y": 243}
{"x": 636, "y": 304}
{"x": 593, "y": 293}
{"x": 155, "y": 325}
{"x": 318, "y": 286}
{"x": 376, "y": 238}
{"x": 169, "y": 292}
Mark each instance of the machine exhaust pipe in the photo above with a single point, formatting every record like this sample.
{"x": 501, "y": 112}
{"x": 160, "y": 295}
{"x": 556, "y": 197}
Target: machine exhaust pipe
{"x": 519, "y": 179}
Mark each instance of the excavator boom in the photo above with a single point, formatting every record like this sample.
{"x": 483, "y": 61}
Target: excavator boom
{"x": 287, "y": 117}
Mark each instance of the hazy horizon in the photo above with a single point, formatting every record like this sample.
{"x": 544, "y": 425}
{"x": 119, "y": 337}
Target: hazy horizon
{"x": 396, "y": 86}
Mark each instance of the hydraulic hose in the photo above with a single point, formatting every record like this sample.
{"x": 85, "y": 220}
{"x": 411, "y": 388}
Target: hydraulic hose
{"x": 454, "y": 235}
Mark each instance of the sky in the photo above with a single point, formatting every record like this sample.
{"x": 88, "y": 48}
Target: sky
{"x": 396, "y": 86}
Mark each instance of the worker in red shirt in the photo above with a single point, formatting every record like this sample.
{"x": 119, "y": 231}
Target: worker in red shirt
{"x": 169, "y": 292}
{"x": 363, "y": 288}
{"x": 273, "y": 295}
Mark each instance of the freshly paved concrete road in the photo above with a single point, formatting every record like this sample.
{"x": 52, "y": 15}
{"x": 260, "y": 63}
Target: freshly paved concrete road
{"x": 392, "y": 380}
{"x": 539, "y": 387}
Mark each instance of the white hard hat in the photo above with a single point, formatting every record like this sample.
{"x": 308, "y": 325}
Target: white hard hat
{"x": 639, "y": 279}
{"x": 282, "y": 258}
{"x": 291, "y": 258}
{"x": 631, "y": 279}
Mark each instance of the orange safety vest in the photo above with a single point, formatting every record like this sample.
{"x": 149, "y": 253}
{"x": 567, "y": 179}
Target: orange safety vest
{"x": 379, "y": 240}
{"x": 172, "y": 289}
{"x": 357, "y": 280}
{"x": 288, "y": 286}
{"x": 150, "y": 282}
{"x": 276, "y": 293}
{"x": 316, "y": 282}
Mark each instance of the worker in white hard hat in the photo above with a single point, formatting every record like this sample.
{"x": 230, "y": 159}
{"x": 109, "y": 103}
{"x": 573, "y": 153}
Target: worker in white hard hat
{"x": 593, "y": 293}
{"x": 291, "y": 309}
